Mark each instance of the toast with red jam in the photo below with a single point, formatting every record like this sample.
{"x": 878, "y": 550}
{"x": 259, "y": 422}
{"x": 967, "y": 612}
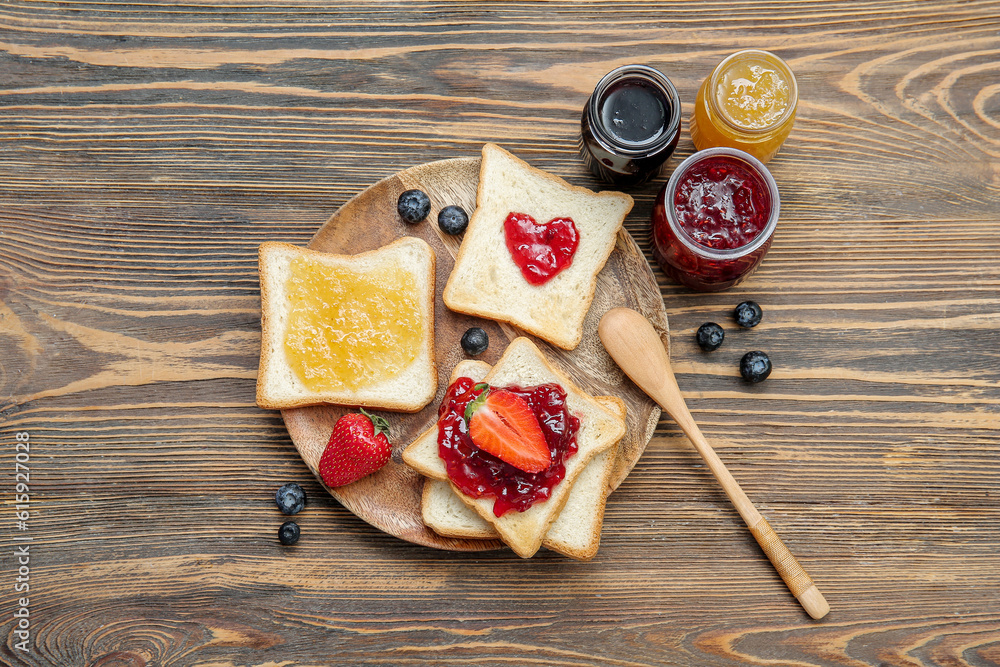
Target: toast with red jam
{"x": 533, "y": 249}
{"x": 601, "y": 424}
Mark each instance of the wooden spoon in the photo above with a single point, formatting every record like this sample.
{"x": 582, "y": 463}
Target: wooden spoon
{"x": 632, "y": 342}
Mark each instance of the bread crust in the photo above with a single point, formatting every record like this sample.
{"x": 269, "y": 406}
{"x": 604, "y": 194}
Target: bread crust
{"x": 465, "y": 295}
{"x": 273, "y": 306}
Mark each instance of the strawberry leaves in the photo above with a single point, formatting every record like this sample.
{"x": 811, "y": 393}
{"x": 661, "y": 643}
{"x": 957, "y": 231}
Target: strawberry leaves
{"x": 478, "y": 401}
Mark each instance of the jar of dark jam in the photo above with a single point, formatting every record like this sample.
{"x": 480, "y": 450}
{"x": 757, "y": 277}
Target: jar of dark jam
{"x": 714, "y": 219}
{"x": 630, "y": 125}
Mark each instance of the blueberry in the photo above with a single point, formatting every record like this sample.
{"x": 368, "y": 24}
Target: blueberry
{"x": 413, "y": 205}
{"x": 290, "y": 498}
{"x": 288, "y": 533}
{"x": 453, "y": 220}
{"x": 748, "y": 314}
{"x": 755, "y": 366}
{"x": 475, "y": 341}
{"x": 710, "y": 336}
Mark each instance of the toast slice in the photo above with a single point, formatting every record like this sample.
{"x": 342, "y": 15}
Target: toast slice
{"x": 523, "y": 364}
{"x": 487, "y": 282}
{"x": 575, "y": 533}
{"x": 305, "y": 307}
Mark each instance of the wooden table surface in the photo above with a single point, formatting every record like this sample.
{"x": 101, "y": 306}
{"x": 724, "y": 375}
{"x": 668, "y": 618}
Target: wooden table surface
{"x": 145, "y": 152}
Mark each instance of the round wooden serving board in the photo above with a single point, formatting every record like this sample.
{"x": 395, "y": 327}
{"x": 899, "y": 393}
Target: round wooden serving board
{"x": 390, "y": 498}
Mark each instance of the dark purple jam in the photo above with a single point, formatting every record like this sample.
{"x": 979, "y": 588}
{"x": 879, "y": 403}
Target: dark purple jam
{"x": 634, "y": 111}
{"x": 630, "y": 125}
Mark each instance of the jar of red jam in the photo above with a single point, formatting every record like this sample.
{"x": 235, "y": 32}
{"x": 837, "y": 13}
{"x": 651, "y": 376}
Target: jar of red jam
{"x": 630, "y": 125}
{"x": 714, "y": 219}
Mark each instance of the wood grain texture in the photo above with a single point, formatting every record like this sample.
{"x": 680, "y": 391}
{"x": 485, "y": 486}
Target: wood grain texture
{"x": 145, "y": 152}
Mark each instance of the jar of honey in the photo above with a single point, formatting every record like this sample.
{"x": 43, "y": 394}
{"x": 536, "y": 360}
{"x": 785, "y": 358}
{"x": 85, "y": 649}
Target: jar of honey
{"x": 714, "y": 219}
{"x": 747, "y": 102}
{"x": 630, "y": 125}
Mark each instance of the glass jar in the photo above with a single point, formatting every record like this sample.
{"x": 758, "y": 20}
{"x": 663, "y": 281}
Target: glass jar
{"x": 714, "y": 219}
{"x": 630, "y": 125}
{"x": 748, "y": 102}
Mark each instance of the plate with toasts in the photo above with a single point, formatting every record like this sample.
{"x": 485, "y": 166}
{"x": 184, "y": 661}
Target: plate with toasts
{"x": 390, "y": 499}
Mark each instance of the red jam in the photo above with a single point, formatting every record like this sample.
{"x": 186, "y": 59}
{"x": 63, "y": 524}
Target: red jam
{"x": 714, "y": 221}
{"x": 722, "y": 203}
{"x": 479, "y": 474}
{"x": 541, "y": 251}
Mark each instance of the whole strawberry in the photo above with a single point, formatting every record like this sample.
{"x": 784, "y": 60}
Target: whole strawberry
{"x": 358, "y": 447}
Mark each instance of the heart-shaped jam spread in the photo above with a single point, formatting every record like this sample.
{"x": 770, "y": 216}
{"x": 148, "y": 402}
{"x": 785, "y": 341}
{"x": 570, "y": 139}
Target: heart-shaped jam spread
{"x": 541, "y": 251}
{"x": 480, "y": 474}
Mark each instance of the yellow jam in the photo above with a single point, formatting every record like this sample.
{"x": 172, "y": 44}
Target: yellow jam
{"x": 752, "y": 94}
{"x": 748, "y": 102}
{"x": 347, "y": 329}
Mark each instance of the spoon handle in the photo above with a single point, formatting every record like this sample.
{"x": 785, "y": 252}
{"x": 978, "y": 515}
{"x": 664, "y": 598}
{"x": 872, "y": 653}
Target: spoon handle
{"x": 633, "y": 343}
{"x": 794, "y": 576}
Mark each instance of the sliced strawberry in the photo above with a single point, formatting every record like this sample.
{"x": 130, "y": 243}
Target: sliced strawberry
{"x": 503, "y": 425}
